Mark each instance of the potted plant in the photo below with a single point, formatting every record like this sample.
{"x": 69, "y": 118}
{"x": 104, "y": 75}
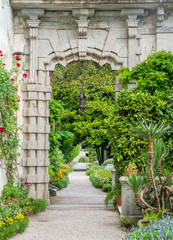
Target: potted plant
{"x": 132, "y": 168}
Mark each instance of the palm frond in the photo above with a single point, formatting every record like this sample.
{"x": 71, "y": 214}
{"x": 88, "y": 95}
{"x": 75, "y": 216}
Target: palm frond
{"x": 135, "y": 182}
{"x": 150, "y": 131}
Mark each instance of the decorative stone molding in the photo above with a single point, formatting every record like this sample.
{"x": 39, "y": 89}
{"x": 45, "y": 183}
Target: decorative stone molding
{"x": 82, "y": 15}
{"x": 160, "y": 16}
{"x": 134, "y": 48}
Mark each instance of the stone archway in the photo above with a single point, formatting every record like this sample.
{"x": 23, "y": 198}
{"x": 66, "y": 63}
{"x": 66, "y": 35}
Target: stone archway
{"x": 120, "y": 34}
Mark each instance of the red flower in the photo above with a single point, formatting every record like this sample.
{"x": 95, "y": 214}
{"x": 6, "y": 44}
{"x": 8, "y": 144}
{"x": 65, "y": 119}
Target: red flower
{"x": 25, "y": 75}
{"x": 18, "y": 100}
{"x": 10, "y": 91}
{"x": 4, "y": 64}
{"x": 1, "y": 55}
{"x": 0, "y": 51}
{"x": 1, "y": 130}
{"x": 18, "y": 64}
{"x": 7, "y": 104}
{"x": 16, "y": 57}
{"x": 12, "y": 79}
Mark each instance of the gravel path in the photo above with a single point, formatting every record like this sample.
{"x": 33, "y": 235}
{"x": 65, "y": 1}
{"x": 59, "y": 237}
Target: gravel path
{"x": 77, "y": 213}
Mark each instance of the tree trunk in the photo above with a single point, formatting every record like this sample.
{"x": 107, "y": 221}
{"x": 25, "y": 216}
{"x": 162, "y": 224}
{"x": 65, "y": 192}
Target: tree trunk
{"x": 151, "y": 176}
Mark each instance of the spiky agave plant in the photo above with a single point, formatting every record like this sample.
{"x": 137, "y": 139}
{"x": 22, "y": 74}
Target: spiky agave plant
{"x": 149, "y": 132}
{"x": 136, "y": 183}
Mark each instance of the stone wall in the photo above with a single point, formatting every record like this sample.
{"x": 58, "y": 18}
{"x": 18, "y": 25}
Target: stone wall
{"x": 56, "y": 32}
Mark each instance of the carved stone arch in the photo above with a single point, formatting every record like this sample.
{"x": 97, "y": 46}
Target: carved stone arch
{"x": 92, "y": 54}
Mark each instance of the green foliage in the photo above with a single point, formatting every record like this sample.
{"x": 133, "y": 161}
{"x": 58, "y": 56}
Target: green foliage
{"x": 99, "y": 176}
{"x": 62, "y": 183}
{"x": 150, "y": 131}
{"x": 131, "y": 107}
{"x": 14, "y": 228}
{"x": 109, "y": 161}
{"x": 69, "y": 150}
{"x": 84, "y": 159}
{"x": 154, "y": 75}
{"x": 114, "y": 194}
{"x": 107, "y": 187}
{"x": 93, "y": 169}
{"x": 38, "y": 205}
{"x": 161, "y": 229}
{"x": 19, "y": 192}
{"x": 92, "y": 155}
{"x": 55, "y": 154}
{"x": 90, "y": 126}
{"x": 135, "y": 182}
{"x": 96, "y": 183}
{"x": 56, "y": 111}
{"x": 9, "y": 128}
{"x": 152, "y": 216}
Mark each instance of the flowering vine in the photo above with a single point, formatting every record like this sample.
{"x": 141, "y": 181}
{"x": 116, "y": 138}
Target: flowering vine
{"x": 9, "y": 104}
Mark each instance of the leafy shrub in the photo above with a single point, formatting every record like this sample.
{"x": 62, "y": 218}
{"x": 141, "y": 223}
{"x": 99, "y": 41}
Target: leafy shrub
{"x": 38, "y": 205}
{"x": 18, "y": 227}
{"x": 100, "y": 176}
{"x": 61, "y": 183}
{"x": 107, "y": 187}
{"x": 84, "y": 159}
{"x": 18, "y": 194}
{"x": 114, "y": 194}
{"x": 93, "y": 169}
{"x": 162, "y": 229}
{"x": 96, "y": 183}
{"x": 109, "y": 161}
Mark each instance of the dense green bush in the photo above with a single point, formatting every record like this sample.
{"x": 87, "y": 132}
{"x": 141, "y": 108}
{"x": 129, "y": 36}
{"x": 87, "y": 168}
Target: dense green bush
{"x": 14, "y": 228}
{"x": 149, "y": 102}
{"x": 107, "y": 187}
{"x": 108, "y": 161}
{"x": 84, "y": 159}
{"x": 38, "y": 205}
{"x": 61, "y": 183}
{"x": 93, "y": 168}
{"x": 96, "y": 183}
{"x": 100, "y": 177}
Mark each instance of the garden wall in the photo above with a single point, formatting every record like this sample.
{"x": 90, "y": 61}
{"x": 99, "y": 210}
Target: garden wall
{"x": 6, "y": 46}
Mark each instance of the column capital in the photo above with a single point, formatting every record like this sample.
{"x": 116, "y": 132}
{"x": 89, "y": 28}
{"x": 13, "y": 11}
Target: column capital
{"x": 32, "y": 14}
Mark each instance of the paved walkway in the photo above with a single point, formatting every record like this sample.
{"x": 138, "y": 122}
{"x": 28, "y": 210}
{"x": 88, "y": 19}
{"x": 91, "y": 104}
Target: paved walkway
{"x": 77, "y": 213}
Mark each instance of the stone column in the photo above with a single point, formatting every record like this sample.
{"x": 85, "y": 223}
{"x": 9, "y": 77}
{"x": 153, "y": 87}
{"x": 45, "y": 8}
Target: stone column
{"x": 36, "y": 95}
{"x": 128, "y": 208}
{"x": 132, "y": 24}
{"x": 36, "y": 138}
{"x": 133, "y": 32}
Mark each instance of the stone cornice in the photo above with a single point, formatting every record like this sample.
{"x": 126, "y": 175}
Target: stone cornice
{"x": 69, "y": 5}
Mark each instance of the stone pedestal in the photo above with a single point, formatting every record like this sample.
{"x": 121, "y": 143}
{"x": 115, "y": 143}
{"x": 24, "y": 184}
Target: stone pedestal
{"x": 129, "y": 209}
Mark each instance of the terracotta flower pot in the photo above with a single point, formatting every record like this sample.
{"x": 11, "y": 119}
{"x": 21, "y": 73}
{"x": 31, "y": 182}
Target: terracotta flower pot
{"x": 119, "y": 201}
{"x": 129, "y": 172}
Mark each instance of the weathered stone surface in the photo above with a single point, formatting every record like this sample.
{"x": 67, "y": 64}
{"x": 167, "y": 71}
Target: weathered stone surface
{"x": 129, "y": 208}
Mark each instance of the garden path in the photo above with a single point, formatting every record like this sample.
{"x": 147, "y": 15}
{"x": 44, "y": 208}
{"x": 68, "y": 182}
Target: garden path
{"x": 77, "y": 213}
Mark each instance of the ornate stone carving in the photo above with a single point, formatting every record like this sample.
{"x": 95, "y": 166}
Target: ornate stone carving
{"x": 160, "y": 16}
{"x": 133, "y": 38}
{"x": 82, "y": 15}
